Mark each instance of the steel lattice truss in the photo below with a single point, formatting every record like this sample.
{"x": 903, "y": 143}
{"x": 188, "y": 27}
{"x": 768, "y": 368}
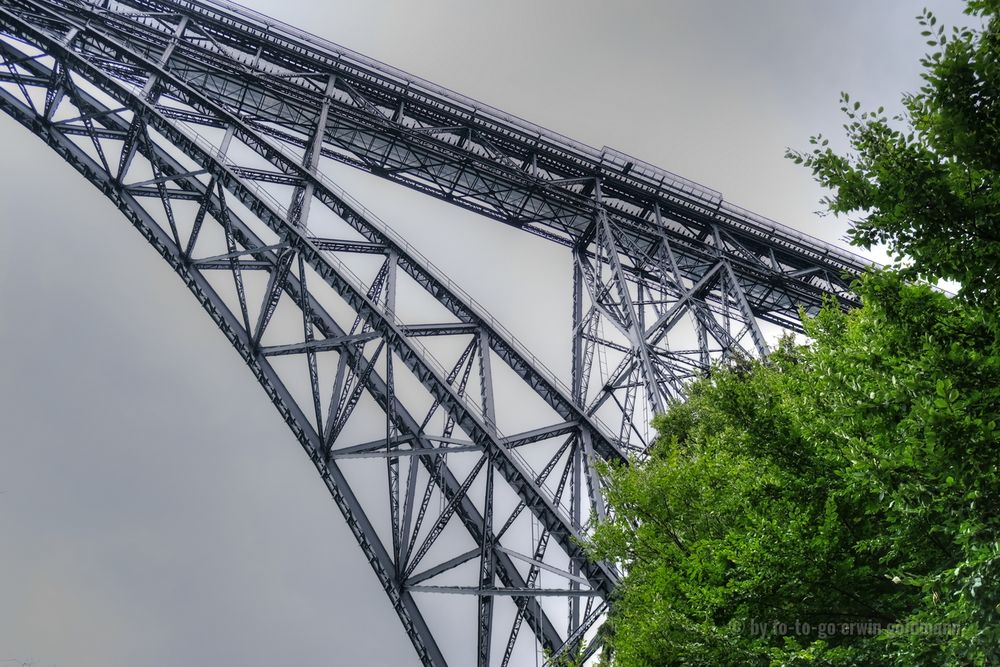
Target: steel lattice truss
{"x": 209, "y": 126}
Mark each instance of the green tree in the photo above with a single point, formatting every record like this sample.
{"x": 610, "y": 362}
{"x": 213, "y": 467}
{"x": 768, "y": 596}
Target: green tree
{"x": 927, "y": 182}
{"x": 853, "y": 479}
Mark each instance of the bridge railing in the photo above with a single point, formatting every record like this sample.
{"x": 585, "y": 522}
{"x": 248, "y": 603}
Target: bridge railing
{"x": 660, "y": 180}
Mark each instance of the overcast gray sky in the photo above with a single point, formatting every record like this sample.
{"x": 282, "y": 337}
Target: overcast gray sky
{"x": 153, "y": 508}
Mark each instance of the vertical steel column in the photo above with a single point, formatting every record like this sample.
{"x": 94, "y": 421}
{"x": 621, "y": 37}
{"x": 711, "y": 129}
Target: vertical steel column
{"x": 636, "y": 335}
{"x": 298, "y": 210}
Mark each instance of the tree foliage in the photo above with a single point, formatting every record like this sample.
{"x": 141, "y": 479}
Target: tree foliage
{"x": 850, "y": 481}
{"x": 839, "y": 502}
{"x": 927, "y": 183}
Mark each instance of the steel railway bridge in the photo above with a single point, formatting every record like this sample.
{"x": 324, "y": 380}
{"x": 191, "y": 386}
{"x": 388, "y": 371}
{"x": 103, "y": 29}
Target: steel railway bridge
{"x": 211, "y": 128}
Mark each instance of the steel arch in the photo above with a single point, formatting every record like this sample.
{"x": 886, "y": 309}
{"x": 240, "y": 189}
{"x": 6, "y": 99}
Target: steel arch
{"x": 653, "y": 254}
{"x": 275, "y": 259}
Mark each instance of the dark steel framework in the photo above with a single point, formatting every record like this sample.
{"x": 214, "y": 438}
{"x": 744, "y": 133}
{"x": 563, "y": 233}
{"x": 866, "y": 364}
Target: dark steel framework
{"x": 209, "y": 126}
